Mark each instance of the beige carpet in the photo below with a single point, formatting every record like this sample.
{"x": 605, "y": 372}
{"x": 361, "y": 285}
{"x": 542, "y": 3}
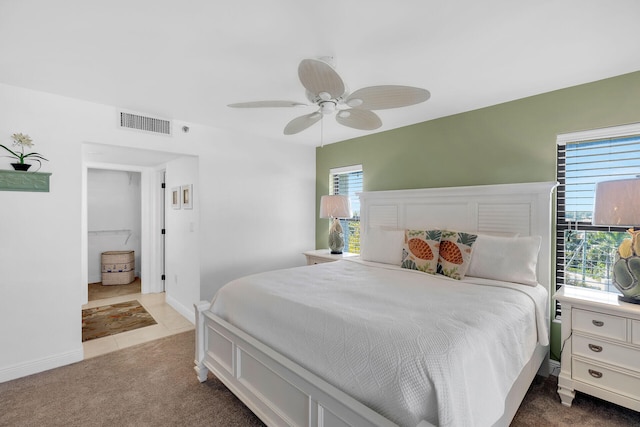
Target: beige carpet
{"x": 111, "y": 319}
{"x": 541, "y": 407}
{"x": 98, "y": 291}
{"x": 153, "y": 384}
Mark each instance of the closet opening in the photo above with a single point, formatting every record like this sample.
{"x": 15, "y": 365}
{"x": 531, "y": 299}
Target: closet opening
{"x": 111, "y": 190}
{"x": 114, "y": 243}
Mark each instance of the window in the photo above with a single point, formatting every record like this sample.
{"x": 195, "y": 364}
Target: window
{"x": 585, "y": 252}
{"x": 348, "y": 181}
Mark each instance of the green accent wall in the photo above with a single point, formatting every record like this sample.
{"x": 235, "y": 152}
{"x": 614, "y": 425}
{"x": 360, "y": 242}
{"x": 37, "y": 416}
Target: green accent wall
{"x": 505, "y": 143}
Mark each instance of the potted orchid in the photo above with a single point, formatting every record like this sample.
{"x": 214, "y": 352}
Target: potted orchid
{"x": 22, "y": 141}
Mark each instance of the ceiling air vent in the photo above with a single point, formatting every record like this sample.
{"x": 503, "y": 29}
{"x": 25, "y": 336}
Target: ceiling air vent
{"x": 147, "y": 124}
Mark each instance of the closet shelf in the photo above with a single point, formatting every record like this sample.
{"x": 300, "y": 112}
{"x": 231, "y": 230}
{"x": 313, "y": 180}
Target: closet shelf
{"x": 110, "y": 232}
{"x": 123, "y": 232}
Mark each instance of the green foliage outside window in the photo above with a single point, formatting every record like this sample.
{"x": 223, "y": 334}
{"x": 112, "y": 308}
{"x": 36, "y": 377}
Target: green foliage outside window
{"x": 353, "y": 237}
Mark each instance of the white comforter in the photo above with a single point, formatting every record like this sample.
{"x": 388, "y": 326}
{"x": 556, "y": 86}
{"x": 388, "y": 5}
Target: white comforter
{"x": 409, "y": 345}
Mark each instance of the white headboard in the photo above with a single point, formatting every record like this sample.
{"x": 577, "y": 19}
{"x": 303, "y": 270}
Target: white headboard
{"x": 514, "y": 208}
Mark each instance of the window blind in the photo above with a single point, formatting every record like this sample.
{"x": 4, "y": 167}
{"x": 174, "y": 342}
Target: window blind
{"x": 347, "y": 181}
{"x": 586, "y": 252}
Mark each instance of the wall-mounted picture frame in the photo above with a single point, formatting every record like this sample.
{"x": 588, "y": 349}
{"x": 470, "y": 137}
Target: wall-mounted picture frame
{"x": 176, "y": 197}
{"x": 187, "y": 196}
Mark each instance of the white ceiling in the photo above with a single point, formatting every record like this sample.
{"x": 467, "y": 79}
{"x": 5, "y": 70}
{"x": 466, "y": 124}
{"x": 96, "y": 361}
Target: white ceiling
{"x": 188, "y": 59}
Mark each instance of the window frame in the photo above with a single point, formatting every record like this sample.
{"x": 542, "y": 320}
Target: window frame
{"x": 353, "y": 197}
{"x": 562, "y": 225}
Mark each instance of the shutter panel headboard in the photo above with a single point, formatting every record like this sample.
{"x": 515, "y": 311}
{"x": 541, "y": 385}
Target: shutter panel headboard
{"x": 514, "y": 208}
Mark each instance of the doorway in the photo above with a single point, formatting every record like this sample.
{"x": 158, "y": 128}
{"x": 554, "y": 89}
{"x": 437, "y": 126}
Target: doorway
{"x": 144, "y": 170}
{"x": 182, "y": 286}
{"x": 114, "y": 232}
{"x": 149, "y": 166}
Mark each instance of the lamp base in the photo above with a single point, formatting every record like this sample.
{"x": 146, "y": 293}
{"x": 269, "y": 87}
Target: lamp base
{"x": 336, "y": 237}
{"x": 336, "y": 253}
{"x": 632, "y": 300}
{"x": 626, "y": 277}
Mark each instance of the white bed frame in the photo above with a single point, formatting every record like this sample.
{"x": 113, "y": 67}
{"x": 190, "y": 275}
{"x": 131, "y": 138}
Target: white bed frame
{"x": 281, "y": 393}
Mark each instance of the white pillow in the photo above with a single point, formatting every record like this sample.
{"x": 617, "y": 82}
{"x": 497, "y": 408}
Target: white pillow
{"x": 382, "y": 245}
{"x": 509, "y": 259}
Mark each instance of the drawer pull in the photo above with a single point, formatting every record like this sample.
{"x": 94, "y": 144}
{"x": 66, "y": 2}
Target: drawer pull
{"x": 595, "y": 348}
{"x": 598, "y": 323}
{"x": 595, "y": 374}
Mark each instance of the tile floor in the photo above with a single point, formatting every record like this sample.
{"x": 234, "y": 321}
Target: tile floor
{"x": 169, "y": 322}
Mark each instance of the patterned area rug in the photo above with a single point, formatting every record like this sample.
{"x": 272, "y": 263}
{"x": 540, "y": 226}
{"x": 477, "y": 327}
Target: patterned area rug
{"x": 113, "y": 319}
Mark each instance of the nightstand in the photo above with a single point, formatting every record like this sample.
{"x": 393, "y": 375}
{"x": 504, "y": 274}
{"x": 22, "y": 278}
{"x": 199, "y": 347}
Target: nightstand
{"x": 600, "y": 347}
{"x": 325, "y": 255}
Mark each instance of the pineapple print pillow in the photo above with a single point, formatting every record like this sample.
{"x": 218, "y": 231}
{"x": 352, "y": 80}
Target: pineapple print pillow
{"x": 420, "y": 250}
{"x": 455, "y": 253}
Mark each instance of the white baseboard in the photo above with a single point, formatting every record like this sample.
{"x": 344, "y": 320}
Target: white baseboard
{"x": 554, "y": 367}
{"x": 40, "y": 365}
{"x": 188, "y": 314}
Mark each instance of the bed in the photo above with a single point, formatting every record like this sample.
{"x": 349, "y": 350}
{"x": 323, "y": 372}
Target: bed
{"x": 370, "y": 343}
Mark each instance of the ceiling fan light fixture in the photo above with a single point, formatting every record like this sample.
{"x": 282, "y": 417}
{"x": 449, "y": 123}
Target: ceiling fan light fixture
{"x": 325, "y": 96}
{"x": 354, "y": 102}
{"x": 327, "y": 107}
{"x": 344, "y": 114}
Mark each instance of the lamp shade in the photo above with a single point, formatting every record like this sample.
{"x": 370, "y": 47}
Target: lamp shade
{"x": 617, "y": 202}
{"x": 335, "y": 207}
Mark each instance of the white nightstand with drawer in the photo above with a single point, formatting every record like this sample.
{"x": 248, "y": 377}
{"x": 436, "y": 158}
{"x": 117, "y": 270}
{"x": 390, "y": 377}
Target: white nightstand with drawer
{"x": 325, "y": 255}
{"x": 600, "y": 347}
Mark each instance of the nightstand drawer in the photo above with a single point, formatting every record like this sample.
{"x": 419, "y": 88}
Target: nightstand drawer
{"x": 635, "y": 332}
{"x": 600, "y": 324}
{"x": 608, "y": 379}
{"x": 607, "y": 352}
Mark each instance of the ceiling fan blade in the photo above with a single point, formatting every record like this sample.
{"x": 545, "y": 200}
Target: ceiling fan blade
{"x": 301, "y": 123}
{"x": 319, "y": 77}
{"x": 359, "y": 119}
{"x": 384, "y": 97}
{"x": 266, "y": 104}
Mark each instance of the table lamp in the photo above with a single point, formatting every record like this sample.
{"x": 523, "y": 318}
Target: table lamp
{"x": 618, "y": 203}
{"x": 335, "y": 207}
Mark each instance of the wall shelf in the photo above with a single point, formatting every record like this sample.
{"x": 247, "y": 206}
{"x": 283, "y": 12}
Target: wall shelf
{"x": 24, "y": 181}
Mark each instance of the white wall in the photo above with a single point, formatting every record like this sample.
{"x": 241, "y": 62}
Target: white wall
{"x": 113, "y": 214}
{"x": 260, "y": 198}
{"x": 182, "y": 284}
{"x": 256, "y": 201}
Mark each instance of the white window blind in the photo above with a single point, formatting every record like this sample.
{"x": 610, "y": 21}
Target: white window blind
{"x": 585, "y": 252}
{"x": 347, "y": 181}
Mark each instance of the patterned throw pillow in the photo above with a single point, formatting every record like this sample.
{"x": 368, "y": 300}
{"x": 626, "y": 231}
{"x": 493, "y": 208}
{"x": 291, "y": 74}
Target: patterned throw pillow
{"x": 420, "y": 250}
{"x": 455, "y": 253}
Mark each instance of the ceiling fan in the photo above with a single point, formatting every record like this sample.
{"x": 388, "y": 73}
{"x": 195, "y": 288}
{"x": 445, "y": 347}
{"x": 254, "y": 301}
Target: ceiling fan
{"x": 325, "y": 88}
